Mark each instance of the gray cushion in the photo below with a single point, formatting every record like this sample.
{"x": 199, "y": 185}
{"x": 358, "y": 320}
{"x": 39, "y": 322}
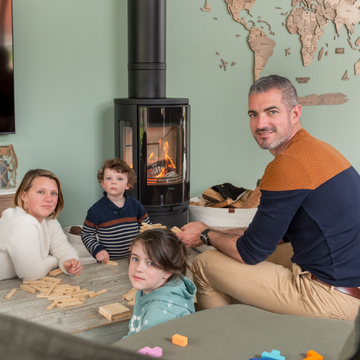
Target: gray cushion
{"x": 244, "y": 332}
{"x": 22, "y": 340}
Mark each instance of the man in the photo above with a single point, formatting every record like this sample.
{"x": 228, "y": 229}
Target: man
{"x": 310, "y": 197}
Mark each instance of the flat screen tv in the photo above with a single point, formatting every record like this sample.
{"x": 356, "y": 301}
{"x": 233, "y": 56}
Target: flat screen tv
{"x": 7, "y": 104}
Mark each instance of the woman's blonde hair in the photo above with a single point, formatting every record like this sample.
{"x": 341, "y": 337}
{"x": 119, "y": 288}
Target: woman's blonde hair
{"x": 26, "y": 184}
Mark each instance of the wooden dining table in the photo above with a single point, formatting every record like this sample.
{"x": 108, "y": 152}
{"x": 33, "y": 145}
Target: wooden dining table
{"x": 77, "y": 319}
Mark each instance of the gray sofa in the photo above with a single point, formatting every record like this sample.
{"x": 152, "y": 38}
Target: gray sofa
{"x": 244, "y": 332}
{"x": 232, "y": 332}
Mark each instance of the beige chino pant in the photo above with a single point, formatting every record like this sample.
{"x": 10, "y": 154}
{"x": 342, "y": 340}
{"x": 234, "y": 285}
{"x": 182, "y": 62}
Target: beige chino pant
{"x": 276, "y": 285}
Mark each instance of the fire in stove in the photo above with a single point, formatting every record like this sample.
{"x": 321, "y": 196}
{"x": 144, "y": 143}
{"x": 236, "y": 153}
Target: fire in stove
{"x": 163, "y": 170}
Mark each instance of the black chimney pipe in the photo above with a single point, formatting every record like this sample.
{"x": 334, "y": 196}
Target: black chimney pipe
{"x": 147, "y": 49}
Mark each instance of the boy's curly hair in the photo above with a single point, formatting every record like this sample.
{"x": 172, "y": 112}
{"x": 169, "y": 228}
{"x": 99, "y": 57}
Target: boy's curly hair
{"x": 119, "y": 166}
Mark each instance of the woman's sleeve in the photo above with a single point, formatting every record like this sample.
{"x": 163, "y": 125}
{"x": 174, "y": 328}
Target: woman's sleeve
{"x": 25, "y": 253}
{"x": 60, "y": 247}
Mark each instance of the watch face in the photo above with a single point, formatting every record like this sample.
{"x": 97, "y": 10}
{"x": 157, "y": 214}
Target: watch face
{"x": 203, "y": 239}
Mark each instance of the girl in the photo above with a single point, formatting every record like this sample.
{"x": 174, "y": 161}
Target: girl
{"x": 157, "y": 265}
{"x": 32, "y": 241}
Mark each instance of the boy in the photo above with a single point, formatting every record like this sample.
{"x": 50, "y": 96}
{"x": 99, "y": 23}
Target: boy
{"x": 113, "y": 222}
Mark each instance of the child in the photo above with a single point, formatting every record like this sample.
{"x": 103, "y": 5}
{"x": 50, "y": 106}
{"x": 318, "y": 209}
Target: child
{"x": 157, "y": 265}
{"x": 113, "y": 222}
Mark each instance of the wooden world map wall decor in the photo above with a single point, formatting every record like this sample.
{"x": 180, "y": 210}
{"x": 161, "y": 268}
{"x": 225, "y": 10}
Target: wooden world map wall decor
{"x": 308, "y": 20}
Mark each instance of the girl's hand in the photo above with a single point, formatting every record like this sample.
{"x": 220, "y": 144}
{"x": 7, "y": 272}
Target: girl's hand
{"x": 103, "y": 256}
{"x": 73, "y": 266}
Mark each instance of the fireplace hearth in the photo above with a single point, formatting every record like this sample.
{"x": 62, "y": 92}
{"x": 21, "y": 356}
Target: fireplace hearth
{"x": 152, "y": 132}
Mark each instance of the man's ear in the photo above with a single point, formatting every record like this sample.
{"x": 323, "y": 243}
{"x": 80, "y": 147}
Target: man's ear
{"x": 296, "y": 113}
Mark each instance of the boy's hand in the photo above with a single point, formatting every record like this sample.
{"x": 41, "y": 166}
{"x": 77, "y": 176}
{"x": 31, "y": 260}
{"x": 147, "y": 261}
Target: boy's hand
{"x": 73, "y": 266}
{"x": 103, "y": 256}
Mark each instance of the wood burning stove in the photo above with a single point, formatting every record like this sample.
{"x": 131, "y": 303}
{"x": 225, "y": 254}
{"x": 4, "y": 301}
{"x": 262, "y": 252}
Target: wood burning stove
{"x": 152, "y": 132}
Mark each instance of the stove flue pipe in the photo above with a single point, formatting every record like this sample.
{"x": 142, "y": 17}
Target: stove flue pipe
{"x": 147, "y": 49}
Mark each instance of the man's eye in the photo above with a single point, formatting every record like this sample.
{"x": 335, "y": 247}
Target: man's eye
{"x": 272, "y": 112}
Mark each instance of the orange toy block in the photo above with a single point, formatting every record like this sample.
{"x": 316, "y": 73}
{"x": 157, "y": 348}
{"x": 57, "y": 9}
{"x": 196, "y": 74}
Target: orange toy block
{"x": 179, "y": 340}
{"x": 312, "y": 355}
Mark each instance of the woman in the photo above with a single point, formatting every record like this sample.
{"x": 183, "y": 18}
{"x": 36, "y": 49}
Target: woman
{"x": 32, "y": 241}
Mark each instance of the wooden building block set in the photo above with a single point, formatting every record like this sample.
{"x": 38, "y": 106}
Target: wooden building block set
{"x": 145, "y": 226}
{"x": 114, "y": 311}
{"x": 61, "y": 295}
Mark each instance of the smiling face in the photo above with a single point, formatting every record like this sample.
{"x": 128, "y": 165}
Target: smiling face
{"x": 41, "y": 199}
{"x": 143, "y": 274}
{"x": 272, "y": 125}
{"x": 114, "y": 183}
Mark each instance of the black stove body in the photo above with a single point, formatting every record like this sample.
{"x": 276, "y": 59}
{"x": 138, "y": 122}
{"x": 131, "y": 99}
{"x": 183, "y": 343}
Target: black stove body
{"x": 152, "y": 132}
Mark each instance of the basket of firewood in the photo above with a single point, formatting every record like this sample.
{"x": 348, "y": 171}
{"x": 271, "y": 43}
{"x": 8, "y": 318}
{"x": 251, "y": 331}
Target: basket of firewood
{"x": 225, "y": 206}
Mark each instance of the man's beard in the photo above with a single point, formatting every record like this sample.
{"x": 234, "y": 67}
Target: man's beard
{"x": 278, "y": 141}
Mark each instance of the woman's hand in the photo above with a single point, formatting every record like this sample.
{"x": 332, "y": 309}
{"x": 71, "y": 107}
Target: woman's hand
{"x": 103, "y": 256}
{"x": 73, "y": 266}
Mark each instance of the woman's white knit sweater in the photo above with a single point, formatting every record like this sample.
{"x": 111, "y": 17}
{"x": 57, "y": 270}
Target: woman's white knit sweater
{"x": 29, "y": 249}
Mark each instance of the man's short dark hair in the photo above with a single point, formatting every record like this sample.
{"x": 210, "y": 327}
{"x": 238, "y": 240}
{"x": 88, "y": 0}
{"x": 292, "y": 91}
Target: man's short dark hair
{"x": 288, "y": 92}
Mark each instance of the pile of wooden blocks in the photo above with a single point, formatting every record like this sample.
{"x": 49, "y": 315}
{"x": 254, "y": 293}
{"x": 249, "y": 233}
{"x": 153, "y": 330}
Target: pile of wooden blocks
{"x": 117, "y": 311}
{"x": 61, "y": 295}
{"x": 145, "y": 226}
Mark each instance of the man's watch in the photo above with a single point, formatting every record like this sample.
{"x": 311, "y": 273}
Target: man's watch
{"x": 204, "y": 237}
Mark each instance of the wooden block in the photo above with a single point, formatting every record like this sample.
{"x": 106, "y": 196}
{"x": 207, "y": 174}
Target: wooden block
{"x": 179, "y": 340}
{"x": 55, "y": 272}
{"x": 85, "y": 294}
{"x": 69, "y": 304}
{"x": 114, "y": 311}
{"x": 41, "y": 296}
{"x": 28, "y": 288}
{"x": 37, "y": 282}
{"x": 51, "y": 288}
{"x": 130, "y": 295}
{"x": 98, "y": 293}
{"x": 79, "y": 292}
{"x": 175, "y": 230}
{"x": 131, "y": 303}
{"x": 51, "y": 306}
{"x": 10, "y": 294}
{"x": 59, "y": 297}
{"x": 51, "y": 279}
{"x": 113, "y": 263}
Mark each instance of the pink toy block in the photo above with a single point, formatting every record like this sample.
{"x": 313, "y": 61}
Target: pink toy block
{"x": 155, "y": 352}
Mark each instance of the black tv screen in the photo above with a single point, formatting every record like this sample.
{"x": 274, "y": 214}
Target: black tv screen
{"x": 7, "y": 104}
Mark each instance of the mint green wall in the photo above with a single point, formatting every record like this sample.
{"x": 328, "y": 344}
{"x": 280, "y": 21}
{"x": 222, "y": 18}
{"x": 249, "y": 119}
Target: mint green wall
{"x": 71, "y": 62}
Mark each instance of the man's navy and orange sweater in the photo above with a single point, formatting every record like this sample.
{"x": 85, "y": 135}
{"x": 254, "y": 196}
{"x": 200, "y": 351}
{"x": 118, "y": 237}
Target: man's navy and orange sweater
{"x": 310, "y": 196}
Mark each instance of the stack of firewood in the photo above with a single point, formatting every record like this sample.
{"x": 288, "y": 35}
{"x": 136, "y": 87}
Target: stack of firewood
{"x": 212, "y": 198}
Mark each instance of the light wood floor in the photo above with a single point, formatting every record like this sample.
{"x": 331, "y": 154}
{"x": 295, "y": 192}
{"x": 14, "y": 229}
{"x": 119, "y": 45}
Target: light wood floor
{"x": 109, "y": 334}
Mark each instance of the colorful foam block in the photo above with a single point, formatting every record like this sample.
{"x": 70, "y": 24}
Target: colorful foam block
{"x": 155, "y": 352}
{"x": 274, "y": 355}
{"x": 312, "y": 355}
{"x": 179, "y": 340}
